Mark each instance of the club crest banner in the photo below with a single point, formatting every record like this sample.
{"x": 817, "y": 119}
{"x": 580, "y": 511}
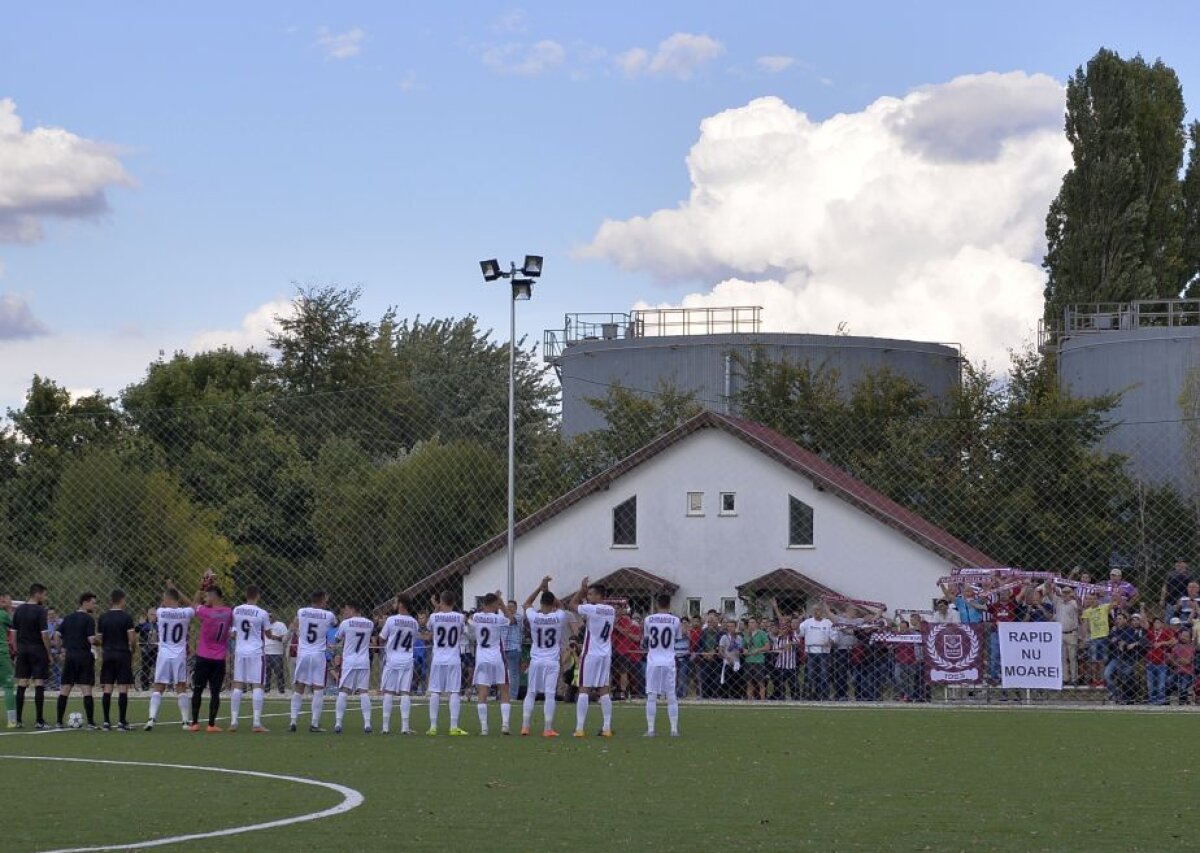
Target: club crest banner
{"x": 953, "y": 653}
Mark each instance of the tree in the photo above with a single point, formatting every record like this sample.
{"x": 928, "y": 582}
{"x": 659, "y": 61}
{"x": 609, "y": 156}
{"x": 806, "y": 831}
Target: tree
{"x": 1191, "y": 207}
{"x": 1115, "y": 232}
{"x": 632, "y": 420}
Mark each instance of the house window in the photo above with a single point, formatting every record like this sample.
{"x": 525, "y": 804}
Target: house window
{"x": 729, "y": 607}
{"x": 728, "y": 503}
{"x": 624, "y": 523}
{"x": 800, "y": 523}
{"x": 693, "y": 607}
{"x": 695, "y": 503}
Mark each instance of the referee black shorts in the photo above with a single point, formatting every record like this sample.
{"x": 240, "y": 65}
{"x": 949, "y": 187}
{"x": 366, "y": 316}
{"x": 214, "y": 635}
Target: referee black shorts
{"x": 79, "y": 668}
{"x": 117, "y": 668}
{"x": 32, "y": 663}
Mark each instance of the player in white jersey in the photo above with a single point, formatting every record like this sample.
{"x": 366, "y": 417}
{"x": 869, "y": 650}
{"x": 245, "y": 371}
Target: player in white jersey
{"x": 355, "y": 634}
{"x": 491, "y": 669}
{"x": 311, "y": 627}
{"x": 548, "y": 627}
{"x": 445, "y": 629}
{"x": 172, "y": 622}
{"x": 659, "y": 632}
{"x": 251, "y": 626}
{"x": 595, "y": 664}
{"x": 398, "y": 636}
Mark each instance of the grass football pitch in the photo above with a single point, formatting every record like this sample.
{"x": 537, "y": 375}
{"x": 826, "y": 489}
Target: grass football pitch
{"x": 740, "y": 778}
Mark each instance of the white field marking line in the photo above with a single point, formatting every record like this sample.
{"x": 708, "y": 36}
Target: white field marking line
{"x": 351, "y": 799}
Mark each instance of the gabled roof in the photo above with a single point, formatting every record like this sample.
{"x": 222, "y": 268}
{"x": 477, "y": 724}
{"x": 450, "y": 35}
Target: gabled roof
{"x": 783, "y": 450}
{"x": 785, "y": 580}
{"x": 634, "y": 580}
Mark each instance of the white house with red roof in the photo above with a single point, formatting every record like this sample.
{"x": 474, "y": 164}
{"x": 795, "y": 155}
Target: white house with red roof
{"x": 718, "y": 511}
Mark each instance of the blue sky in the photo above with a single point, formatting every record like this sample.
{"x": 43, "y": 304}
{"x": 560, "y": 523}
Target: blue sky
{"x": 393, "y": 146}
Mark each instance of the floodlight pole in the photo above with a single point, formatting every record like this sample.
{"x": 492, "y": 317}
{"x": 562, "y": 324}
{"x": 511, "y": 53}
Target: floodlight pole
{"x": 512, "y": 434}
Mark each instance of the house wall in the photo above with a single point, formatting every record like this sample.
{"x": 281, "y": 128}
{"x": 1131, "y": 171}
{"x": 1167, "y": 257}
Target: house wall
{"x": 709, "y": 555}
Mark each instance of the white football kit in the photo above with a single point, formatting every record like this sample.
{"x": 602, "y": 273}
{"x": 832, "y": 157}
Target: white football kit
{"x": 355, "y": 634}
{"x": 251, "y": 624}
{"x": 596, "y": 662}
{"x": 660, "y": 631}
{"x": 490, "y": 668}
{"x": 545, "y": 658}
{"x": 312, "y": 625}
{"x": 445, "y": 670}
{"x": 173, "y": 624}
{"x": 398, "y": 635}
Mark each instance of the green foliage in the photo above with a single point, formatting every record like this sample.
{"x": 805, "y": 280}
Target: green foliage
{"x": 1115, "y": 232}
{"x": 632, "y": 420}
{"x": 1191, "y": 208}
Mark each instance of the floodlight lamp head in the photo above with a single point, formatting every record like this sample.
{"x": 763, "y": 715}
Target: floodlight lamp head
{"x": 491, "y": 269}
{"x": 522, "y": 289}
{"x": 532, "y": 266}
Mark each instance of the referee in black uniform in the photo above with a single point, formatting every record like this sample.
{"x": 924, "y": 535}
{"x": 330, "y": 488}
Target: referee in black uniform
{"x": 78, "y": 632}
{"x": 33, "y": 652}
{"x": 118, "y": 638}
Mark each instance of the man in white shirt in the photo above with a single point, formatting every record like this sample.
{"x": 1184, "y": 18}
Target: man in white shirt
{"x": 818, "y": 634}
{"x": 398, "y": 637}
{"x": 311, "y": 626}
{"x": 274, "y": 648}
{"x": 660, "y": 631}
{"x": 445, "y": 628}
{"x": 943, "y": 614}
{"x": 547, "y": 627}
{"x": 491, "y": 669}
{"x": 354, "y": 635}
{"x": 173, "y": 620}
{"x": 596, "y": 662}
{"x": 251, "y": 625}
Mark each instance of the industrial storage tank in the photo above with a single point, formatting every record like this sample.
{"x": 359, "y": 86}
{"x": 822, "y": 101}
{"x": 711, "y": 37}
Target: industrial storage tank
{"x": 692, "y": 350}
{"x": 1147, "y": 351}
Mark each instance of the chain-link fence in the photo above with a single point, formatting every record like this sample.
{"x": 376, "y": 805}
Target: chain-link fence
{"x": 365, "y": 468}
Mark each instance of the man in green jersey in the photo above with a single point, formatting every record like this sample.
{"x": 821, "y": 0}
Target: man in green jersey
{"x": 6, "y": 664}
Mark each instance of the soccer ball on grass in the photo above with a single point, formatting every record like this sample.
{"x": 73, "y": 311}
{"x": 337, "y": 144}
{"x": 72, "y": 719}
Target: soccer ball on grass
{"x": 75, "y": 720}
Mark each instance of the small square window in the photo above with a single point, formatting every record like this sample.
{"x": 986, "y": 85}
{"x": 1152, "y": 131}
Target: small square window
{"x": 728, "y": 503}
{"x": 693, "y": 607}
{"x": 729, "y": 607}
{"x": 695, "y": 503}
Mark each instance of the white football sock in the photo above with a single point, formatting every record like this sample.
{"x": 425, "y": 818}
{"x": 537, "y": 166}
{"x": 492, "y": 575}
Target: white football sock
{"x": 606, "y": 710}
{"x": 482, "y": 708}
{"x": 581, "y": 709}
{"x": 527, "y": 709}
{"x": 256, "y": 700}
{"x": 651, "y": 711}
{"x": 405, "y": 710}
{"x": 435, "y": 702}
{"x": 339, "y": 709}
{"x": 548, "y": 712}
{"x": 318, "y": 705}
{"x": 185, "y": 709}
{"x": 155, "y": 702}
{"x": 297, "y": 701}
{"x": 388, "y": 704}
{"x": 364, "y": 702}
{"x": 235, "y": 705}
{"x": 455, "y": 706}
{"x": 673, "y": 713}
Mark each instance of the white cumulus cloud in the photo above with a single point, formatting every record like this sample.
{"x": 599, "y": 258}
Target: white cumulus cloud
{"x": 50, "y": 172}
{"x": 919, "y": 217}
{"x": 16, "y": 318}
{"x": 341, "y": 45}
{"x": 775, "y": 64}
{"x": 525, "y": 60}
{"x": 679, "y": 55}
{"x": 253, "y": 333}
